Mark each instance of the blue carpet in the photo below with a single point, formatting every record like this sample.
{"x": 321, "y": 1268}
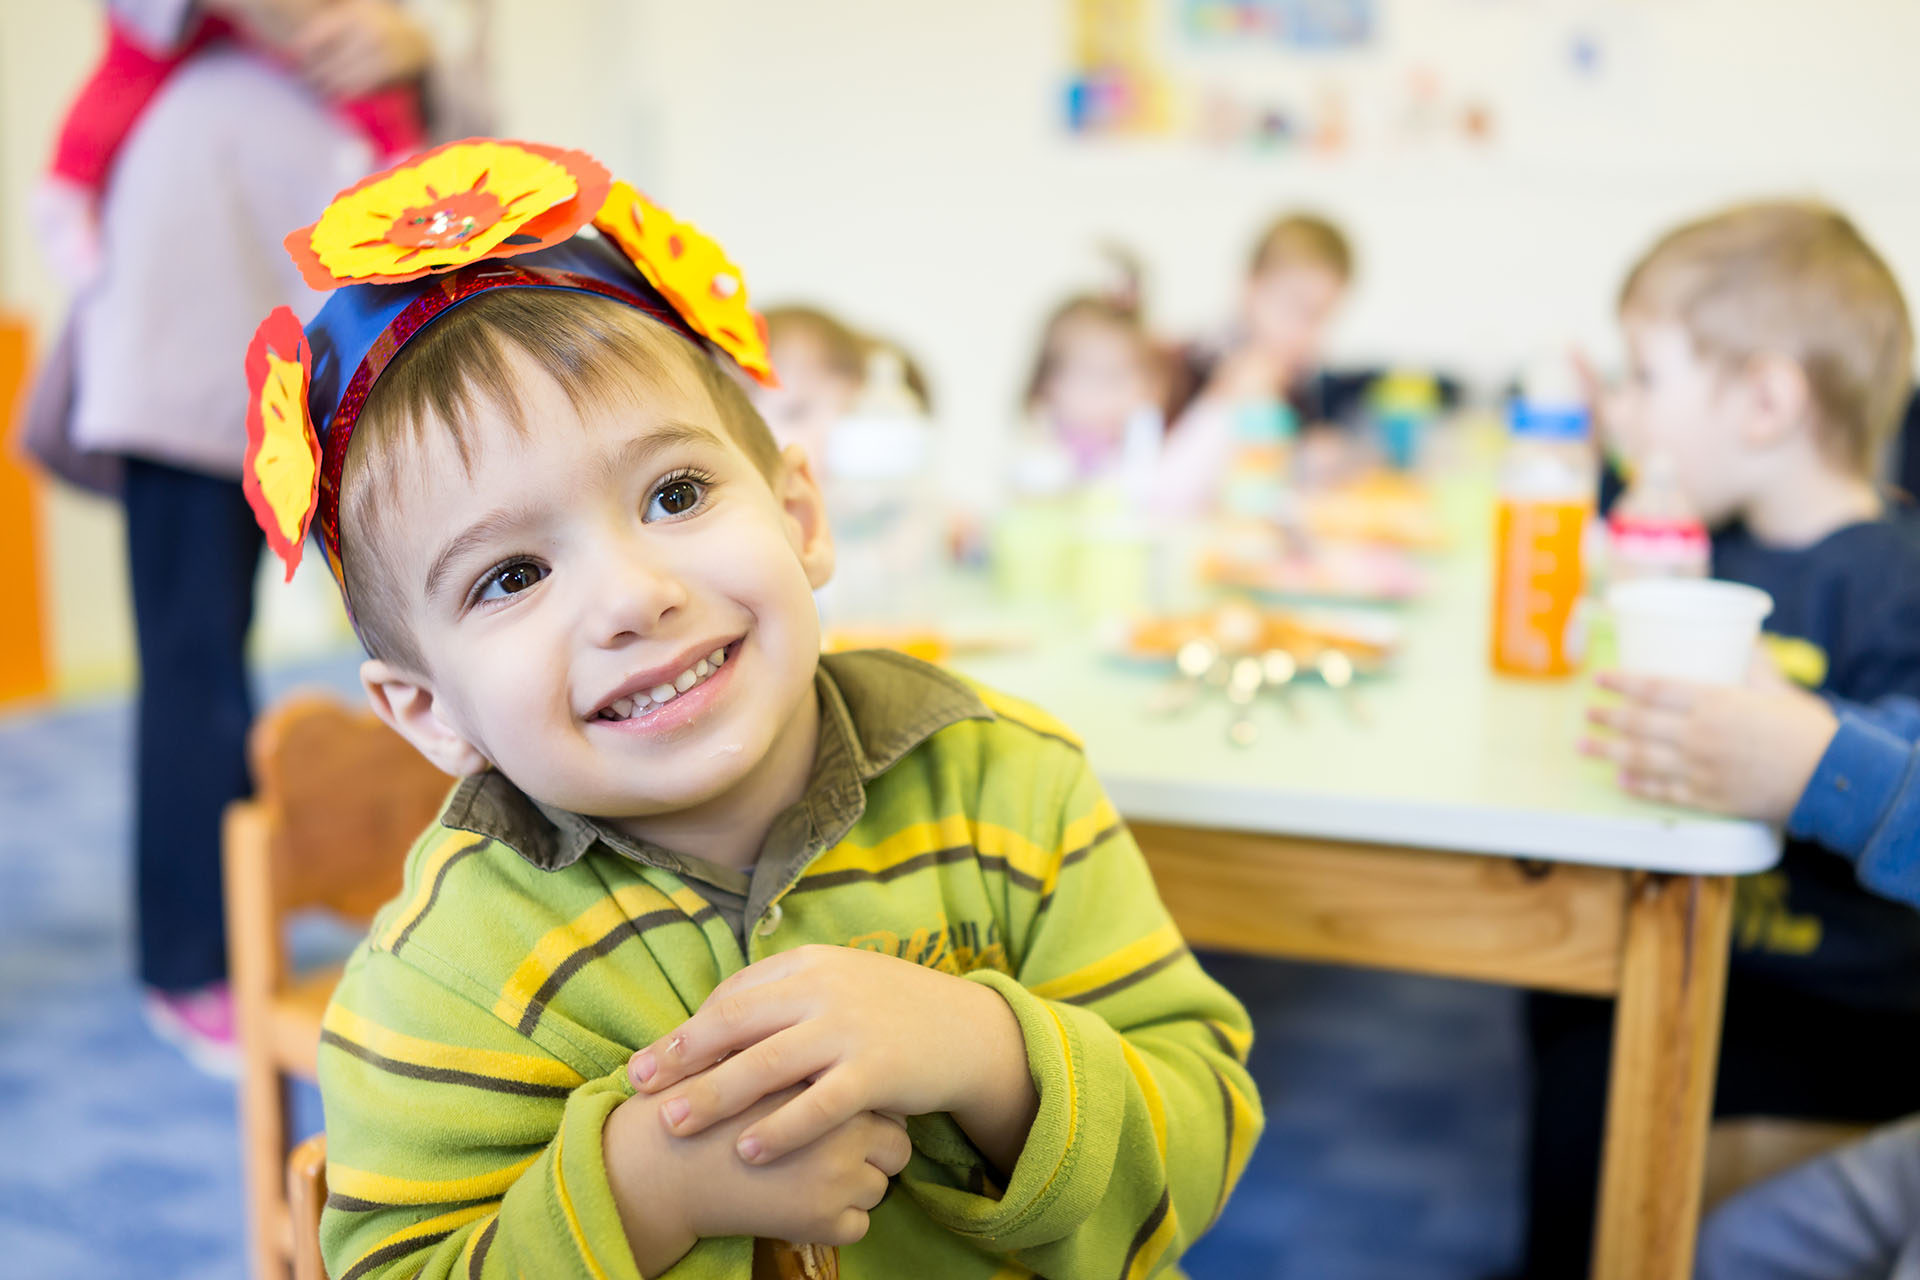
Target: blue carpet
{"x": 1392, "y": 1148}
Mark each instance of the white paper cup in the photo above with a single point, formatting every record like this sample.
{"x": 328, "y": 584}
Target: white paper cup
{"x": 1688, "y": 628}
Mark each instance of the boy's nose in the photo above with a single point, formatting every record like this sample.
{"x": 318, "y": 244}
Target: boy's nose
{"x": 629, "y": 595}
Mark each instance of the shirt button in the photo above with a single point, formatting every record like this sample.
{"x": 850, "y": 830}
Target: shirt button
{"x": 769, "y": 922}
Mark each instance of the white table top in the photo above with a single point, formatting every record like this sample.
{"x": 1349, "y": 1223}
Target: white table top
{"x": 1440, "y": 754}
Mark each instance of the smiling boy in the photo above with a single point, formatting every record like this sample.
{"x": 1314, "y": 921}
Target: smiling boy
{"x": 716, "y": 939}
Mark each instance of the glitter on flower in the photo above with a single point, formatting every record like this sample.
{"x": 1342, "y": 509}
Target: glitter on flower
{"x": 444, "y": 208}
{"x": 692, "y": 272}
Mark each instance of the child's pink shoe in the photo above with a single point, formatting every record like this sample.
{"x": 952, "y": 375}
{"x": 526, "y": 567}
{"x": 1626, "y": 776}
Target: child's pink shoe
{"x": 199, "y": 1024}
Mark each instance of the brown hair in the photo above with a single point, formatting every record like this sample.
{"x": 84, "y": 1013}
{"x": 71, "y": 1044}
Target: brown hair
{"x": 1302, "y": 238}
{"x": 595, "y": 348}
{"x": 1793, "y": 279}
{"x": 843, "y": 348}
{"x": 1094, "y": 309}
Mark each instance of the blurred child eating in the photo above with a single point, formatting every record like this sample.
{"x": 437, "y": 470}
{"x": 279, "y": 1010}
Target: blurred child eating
{"x": 1263, "y": 382}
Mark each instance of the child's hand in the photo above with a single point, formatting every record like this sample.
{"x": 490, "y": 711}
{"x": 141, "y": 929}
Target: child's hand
{"x": 1746, "y": 751}
{"x": 675, "y": 1191}
{"x": 863, "y": 1032}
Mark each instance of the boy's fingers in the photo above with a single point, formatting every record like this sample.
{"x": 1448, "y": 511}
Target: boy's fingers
{"x": 722, "y": 1026}
{"x": 1662, "y": 788}
{"x": 892, "y": 1150}
{"x": 1650, "y": 691}
{"x": 1646, "y": 723}
{"x": 822, "y": 1107}
{"x": 778, "y": 1062}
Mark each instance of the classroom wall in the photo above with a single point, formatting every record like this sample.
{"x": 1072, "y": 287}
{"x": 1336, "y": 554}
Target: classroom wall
{"x": 903, "y": 163}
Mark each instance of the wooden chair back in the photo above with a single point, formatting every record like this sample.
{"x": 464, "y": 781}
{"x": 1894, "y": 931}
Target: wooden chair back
{"x": 338, "y": 800}
{"x": 344, "y": 797}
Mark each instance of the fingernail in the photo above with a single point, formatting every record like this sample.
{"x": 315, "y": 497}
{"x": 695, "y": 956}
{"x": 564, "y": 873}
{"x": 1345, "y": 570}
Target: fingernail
{"x": 643, "y": 1068}
{"x": 749, "y": 1149}
{"x": 677, "y": 1111}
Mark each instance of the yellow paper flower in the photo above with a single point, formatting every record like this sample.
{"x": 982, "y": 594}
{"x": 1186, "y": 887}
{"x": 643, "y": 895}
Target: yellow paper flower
{"x": 444, "y": 208}
{"x": 692, "y": 272}
{"x": 281, "y": 472}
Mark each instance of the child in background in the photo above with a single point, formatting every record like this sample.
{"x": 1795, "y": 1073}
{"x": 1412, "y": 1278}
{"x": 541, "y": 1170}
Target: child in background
{"x": 1097, "y": 387}
{"x": 1300, "y": 271}
{"x": 1770, "y": 351}
{"x": 717, "y": 938}
{"x": 859, "y": 407}
{"x": 822, "y": 364}
{"x": 128, "y": 77}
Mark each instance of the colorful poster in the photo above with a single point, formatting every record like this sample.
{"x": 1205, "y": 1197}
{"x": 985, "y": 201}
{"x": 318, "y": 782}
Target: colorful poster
{"x": 1301, "y": 24}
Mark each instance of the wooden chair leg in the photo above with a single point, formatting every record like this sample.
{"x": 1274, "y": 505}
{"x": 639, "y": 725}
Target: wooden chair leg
{"x": 306, "y": 1196}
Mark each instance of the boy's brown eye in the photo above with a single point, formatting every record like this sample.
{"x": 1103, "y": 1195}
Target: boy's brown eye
{"x": 681, "y": 495}
{"x": 518, "y": 578}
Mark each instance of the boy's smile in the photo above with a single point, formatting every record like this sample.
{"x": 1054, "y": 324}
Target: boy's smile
{"x": 625, "y": 626}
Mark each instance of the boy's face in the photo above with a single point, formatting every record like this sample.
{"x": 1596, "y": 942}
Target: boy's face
{"x": 1288, "y": 306}
{"x": 1679, "y": 403}
{"x": 810, "y": 400}
{"x": 1097, "y": 380}
{"x": 585, "y": 567}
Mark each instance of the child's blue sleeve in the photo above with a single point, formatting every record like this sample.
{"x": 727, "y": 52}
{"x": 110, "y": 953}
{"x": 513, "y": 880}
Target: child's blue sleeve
{"x": 1897, "y": 714}
{"x": 1864, "y": 800}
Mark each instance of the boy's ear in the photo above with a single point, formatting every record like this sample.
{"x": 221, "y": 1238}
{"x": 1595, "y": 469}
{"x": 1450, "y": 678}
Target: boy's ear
{"x": 407, "y": 706}
{"x": 806, "y": 510}
{"x": 1782, "y": 399}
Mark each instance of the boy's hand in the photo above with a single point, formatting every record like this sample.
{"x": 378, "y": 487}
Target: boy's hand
{"x": 673, "y": 1191}
{"x": 862, "y": 1032}
{"x": 1747, "y": 751}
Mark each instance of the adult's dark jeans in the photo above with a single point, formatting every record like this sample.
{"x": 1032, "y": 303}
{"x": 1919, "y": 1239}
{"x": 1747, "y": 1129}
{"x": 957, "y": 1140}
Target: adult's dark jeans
{"x": 192, "y": 549}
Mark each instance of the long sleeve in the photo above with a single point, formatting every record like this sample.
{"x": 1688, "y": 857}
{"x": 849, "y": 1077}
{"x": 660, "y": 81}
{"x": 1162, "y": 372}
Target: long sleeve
{"x": 1147, "y": 1114}
{"x": 459, "y": 1148}
{"x": 1863, "y": 802}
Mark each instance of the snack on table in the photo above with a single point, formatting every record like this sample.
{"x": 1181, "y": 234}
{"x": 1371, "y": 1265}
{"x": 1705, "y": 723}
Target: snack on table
{"x": 1348, "y": 571}
{"x": 1396, "y": 510}
{"x": 1240, "y": 627}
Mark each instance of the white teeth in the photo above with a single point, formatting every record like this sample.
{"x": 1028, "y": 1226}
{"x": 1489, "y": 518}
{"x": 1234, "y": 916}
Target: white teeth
{"x": 641, "y": 704}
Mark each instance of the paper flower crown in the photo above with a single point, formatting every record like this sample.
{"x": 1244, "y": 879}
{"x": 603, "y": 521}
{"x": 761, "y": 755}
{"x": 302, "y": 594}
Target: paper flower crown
{"x": 404, "y": 247}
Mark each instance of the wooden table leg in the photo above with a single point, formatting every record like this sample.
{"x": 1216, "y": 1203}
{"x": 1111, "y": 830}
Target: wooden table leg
{"x": 1666, "y": 1043}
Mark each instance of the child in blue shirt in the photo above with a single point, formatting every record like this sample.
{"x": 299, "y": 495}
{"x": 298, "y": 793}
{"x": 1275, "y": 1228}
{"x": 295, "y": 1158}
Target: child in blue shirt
{"x": 1770, "y": 353}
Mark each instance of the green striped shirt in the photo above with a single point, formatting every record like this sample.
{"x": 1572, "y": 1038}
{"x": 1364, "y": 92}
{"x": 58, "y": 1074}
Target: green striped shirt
{"x": 479, "y": 1038}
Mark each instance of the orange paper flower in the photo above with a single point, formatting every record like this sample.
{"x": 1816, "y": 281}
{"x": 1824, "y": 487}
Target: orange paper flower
{"x": 692, "y": 272}
{"x": 281, "y": 473}
{"x": 444, "y": 208}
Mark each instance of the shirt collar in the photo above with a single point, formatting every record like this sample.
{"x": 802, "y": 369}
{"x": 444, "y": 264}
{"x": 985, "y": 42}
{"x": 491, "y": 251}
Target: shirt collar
{"x": 875, "y": 707}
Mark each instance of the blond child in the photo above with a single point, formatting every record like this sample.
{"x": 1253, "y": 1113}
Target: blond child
{"x": 716, "y": 938}
{"x": 1770, "y": 351}
{"x": 1297, "y": 277}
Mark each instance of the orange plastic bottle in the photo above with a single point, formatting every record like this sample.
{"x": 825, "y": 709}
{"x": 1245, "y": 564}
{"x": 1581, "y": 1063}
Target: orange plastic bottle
{"x": 1546, "y": 502}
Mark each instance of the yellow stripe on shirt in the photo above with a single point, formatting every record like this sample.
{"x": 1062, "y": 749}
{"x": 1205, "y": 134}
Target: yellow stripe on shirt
{"x": 388, "y": 1188}
{"x": 1157, "y": 946}
{"x": 563, "y": 941}
{"x": 524, "y": 1068}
